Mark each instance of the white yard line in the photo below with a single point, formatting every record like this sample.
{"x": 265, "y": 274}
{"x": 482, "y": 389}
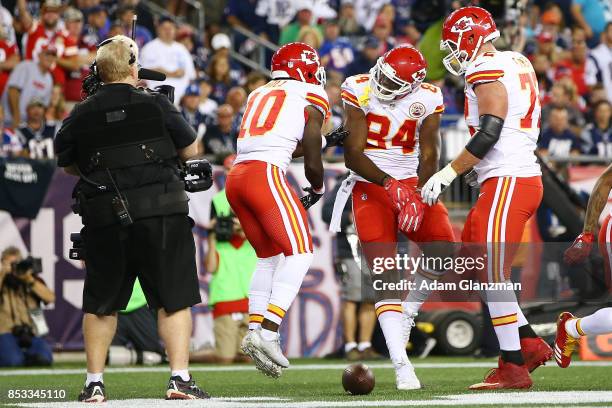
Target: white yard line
{"x": 567, "y": 398}
{"x": 296, "y": 367}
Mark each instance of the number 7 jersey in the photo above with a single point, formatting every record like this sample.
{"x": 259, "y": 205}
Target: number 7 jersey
{"x": 393, "y": 127}
{"x": 274, "y": 119}
{"x": 513, "y": 154}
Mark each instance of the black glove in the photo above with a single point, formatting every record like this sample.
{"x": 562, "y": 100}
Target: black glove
{"x": 311, "y": 198}
{"x": 336, "y": 137}
{"x": 471, "y": 179}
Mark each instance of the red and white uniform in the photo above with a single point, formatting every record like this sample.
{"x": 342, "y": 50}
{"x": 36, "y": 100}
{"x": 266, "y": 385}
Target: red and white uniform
{"x": 513, "y": 154}
{"x": 605, "y": 247}
{"x": 269, "y": 210}
{"x": 393, "y": 145}
{"x": 7, "y": 50}
{"x": 511, "y": 186}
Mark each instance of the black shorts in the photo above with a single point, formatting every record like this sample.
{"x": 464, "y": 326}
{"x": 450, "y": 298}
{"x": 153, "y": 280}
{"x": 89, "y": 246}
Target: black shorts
{"x": 159, "y": 251}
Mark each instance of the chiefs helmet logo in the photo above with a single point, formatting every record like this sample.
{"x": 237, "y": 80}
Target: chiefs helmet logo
{"x": 416, "y": 110}
{"x": 309, "y": 57}
{"x": 419, "y": 76}
{"x": 465, "y": 23}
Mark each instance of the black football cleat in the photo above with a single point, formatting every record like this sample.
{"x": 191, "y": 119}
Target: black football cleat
{"x": 179, "y": 389}
{"x": 94, "y": 392}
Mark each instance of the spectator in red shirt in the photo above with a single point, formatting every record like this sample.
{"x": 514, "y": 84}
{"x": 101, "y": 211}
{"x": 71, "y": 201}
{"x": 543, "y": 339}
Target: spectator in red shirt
{"x": 76, "y": 72}
{"x": 9, "y": 57}
{"x": 578, "y": 67}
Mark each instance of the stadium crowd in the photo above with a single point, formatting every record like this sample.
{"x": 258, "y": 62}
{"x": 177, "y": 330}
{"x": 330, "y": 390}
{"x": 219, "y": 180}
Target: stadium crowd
{"x": 48, "y": 46}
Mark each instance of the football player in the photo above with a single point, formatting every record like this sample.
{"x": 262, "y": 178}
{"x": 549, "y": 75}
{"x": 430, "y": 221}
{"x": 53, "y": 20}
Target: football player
{"x": 570, "y": 328}
{"x": 282, "y": 119}
{"x": 393, "y": 147}
{"x": 502, "y": 111}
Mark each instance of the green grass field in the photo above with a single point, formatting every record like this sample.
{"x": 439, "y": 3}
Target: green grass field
{"x": 314, "y": 383}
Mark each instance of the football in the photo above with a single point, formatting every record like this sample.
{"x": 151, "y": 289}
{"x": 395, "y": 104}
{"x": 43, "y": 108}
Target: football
{"x": 358, "y": 379}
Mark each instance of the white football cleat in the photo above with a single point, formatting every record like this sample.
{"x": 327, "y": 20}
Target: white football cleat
{"x": 407, "y": 325}
{"x": 405, "y": 377}
{"x": 270, "y": 348}
{"x": 260, "y": 359}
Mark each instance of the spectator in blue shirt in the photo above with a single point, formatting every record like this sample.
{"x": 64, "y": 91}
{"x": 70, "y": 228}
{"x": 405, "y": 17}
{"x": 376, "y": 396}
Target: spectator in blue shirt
{"x": 590, "y": 15}
{"x": 597, "y": 135}
{"x": 558, "y": 140}
{"x": 35, "y": 134}
{"x": 190, "y": 103}
{"x": 125, "y": 14}
{"x": 241, "y": 13}
{"x": 366, "y": 59}
{"x": 336, "y": 52}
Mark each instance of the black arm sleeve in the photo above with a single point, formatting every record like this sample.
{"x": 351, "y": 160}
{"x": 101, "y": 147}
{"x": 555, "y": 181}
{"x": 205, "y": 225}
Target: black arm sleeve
{"x": 181, "y": 132}
{"x": 486, "y": 136}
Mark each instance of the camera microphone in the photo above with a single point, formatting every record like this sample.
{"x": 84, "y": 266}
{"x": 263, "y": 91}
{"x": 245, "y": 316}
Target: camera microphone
{"x": 151, "y": 75}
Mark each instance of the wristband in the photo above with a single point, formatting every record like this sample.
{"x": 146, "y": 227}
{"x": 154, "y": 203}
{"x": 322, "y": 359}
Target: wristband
{"x": 447, "y": 174}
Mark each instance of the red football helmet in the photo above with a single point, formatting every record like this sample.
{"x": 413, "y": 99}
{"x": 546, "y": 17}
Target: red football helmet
{"x": 398, "y": 73}
{"x": 298, "y": 61}
{"x": 463, "y": 32}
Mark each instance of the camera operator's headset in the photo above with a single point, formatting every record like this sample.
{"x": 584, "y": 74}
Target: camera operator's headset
{"x": 92, "y": 82}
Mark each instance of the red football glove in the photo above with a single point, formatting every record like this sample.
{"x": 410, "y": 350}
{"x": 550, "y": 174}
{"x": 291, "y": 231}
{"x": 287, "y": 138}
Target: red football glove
{"x": 398, "y": 193}
{"x": 580, "y": 249}
{"x": 410, "y": 217}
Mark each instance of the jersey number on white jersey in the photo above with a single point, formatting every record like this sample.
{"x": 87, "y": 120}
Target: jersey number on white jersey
{"x": 266, "y": 107}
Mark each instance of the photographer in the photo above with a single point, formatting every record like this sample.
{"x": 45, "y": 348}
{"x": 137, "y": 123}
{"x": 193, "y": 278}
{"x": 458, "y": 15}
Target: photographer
{"x": 231, "y": 260}
{"x": 21, "y": 321}
{"x": 127, "y": 146}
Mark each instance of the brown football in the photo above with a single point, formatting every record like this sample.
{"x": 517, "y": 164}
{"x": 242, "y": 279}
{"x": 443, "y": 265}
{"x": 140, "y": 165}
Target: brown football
{"x": 358, "y": 379}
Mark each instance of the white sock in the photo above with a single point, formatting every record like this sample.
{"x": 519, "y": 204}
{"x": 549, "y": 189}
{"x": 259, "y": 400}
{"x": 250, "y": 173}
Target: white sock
{"x": 522, "y": 320}
{"x": 363, "y": 345}
{"x": 184, "y": 374}
{"x": 261, "y": 286}
{"x": 349, "y": 346}
{"x": 599, "y": 322}
{"x": 389, "y": 314}
{"x": 286, "y": 285}
{"x": 417, "y": 296}
{"x": 268, "y": 335}
{"x": 505, "y": 322}
{"x": 94, "y": 377}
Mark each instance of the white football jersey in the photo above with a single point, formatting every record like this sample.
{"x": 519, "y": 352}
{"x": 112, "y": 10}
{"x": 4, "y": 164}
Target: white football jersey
{"x": 393, "y": 128}
{"x": 513, "y": 154}
{"x": 274, "y": 119}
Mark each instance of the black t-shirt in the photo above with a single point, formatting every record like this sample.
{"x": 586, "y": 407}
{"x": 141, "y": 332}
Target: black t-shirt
{"x": 115, "y": 95}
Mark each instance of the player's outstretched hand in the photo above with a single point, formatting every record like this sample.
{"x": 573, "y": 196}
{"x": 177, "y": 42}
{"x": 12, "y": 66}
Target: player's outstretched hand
{"x": 336, "y": 137}
{"x": 410, "y": 217}
{"x": 580, "y": 249}
{"x": 312, "y": 197}
{"x": 437, "y": 183}
{"x": 397, "y": 192}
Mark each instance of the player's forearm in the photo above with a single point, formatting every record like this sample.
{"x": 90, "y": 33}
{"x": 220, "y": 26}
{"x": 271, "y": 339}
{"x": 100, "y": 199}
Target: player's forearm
{"x": 597, "y": 201}
{"x": 464, "y": 162}
{"x": 313, "y": 170}
{"x": 428, "y": 165}
{"x": 362, "y": 165}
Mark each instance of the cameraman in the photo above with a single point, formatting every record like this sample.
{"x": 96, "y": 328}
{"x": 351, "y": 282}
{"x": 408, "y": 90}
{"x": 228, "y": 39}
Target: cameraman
{"x": 126, "y": 145}
{"x": 21, "y": 291}
{"x": 231, "y": 260}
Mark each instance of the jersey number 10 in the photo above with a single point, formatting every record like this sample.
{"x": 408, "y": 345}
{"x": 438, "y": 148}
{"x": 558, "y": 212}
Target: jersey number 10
{"x": 255, "y": 125}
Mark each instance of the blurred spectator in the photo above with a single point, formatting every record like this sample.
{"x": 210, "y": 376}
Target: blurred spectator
{"x": 145, "y": 18}
{"x": 36, "y": 134}
{"x": 277, "y": 13}
{"x": 166, "y": 55}
{"x": 236, "y": 98}
{"x": 366, "y": 59}
{"x": 21, "y": 323}
{"x": 546, "y": 46}
{"x": 561, "y": 7}
{"x": 221, "y": 45}
{"x": 76, "y": 72}
{"x": 220, "y": 78}
{"x": 558, "y": 140}
{"x": 11, "y": 145}
{"x": 241, "y": 13}
{"x": 383, "y": 30}
{"x": 220, "y": 138}
{"x": 336, "y": 52}
{"x": 255, "y": 80}
{"x": 367, "y": 11}
{"x": 335, "y": 102}
{"x": 347, "y": 19}
{"x": 9, "y": 58}
{"x": 578, "y": 67}
{"x": 597, "y": 136}
{"x": 6, "y": 25}
{"x": 543, "y": 70}
{"x": 190, "y": 110}
{"x": 311, "y": 36}
{"x": 303, "y": 18}
{"x": 56, "y": 111}
{"x": 602, "y": 56}
{"x": 28, "y": 80}
{"x": 125, "y": 14}
{"x": 403, "y": 24}
{"x": 207, "y": 106}
{"x": 186, "y": 36}
{"x": 563, "y": 93}
{"x": 98, "y": 25}
{"x": 591, "y": 16}
{"x": 551, "y": 20}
